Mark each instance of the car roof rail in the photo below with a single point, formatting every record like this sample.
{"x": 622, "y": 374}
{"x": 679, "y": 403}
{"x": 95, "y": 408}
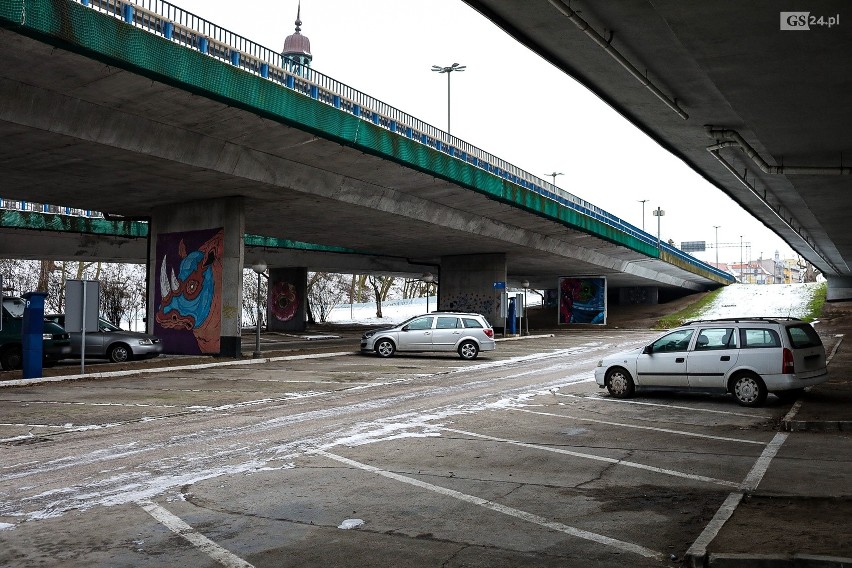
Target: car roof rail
{"x": 762, "y": 319}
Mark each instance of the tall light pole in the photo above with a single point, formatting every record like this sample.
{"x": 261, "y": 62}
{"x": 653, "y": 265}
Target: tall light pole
{"x": 742, "y": 280}
{"x": 717, "y": 244}
{"x": 448, "y": 70}
{"x": 428, "y": 279}
{"x": 553, "y": 175}
{"x": 643, "y": 201}
{"x": 658, "y": 213}
{"x": 526, "y": 285}
{"x": 259, "y": 267}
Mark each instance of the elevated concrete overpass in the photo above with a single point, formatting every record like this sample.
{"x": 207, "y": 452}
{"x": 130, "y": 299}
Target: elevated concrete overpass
{"x": 122, "y": 110}
{"x": 750, "y": 97}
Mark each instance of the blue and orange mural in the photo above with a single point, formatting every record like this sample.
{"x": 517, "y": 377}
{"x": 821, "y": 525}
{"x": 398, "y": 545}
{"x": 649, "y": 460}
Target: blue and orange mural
{"x": 188, "y": 318}
{"x": 582, "y": 300}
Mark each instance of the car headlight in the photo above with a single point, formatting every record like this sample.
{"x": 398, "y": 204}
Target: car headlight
{"x": 146, "y": 342}
{"x": 369, "y": 334}
{"x": 47, "y": 336}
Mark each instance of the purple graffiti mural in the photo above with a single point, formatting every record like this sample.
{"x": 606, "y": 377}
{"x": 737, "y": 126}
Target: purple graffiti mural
{"x": 283, "y": 300}
{"x": 582, "y": 300}
{"x": 188, "y": 288}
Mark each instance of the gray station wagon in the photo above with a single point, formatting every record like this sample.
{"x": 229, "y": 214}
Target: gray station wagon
{"x": 747, "y": 357}
{"x": 466, "y": 334}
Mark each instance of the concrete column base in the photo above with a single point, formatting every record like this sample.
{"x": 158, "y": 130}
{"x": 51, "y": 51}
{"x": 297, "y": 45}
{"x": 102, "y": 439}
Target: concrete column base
{"x": 467, "y": 284}
{"x": 839, "y": 288}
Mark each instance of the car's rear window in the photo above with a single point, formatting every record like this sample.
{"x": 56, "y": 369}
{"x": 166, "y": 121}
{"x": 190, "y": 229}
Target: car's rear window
{"x": 15, "y": 307}
{"x": 803, "y": 336}
{"x": 471, "y": 322}
{"x": 759, "y": 338}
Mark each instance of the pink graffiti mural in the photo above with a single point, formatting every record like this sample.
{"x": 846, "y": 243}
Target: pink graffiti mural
{"x": 283, "y": 301}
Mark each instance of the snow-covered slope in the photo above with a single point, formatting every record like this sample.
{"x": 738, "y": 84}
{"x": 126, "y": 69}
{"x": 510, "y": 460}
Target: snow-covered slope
{"x": 780, "y": 300}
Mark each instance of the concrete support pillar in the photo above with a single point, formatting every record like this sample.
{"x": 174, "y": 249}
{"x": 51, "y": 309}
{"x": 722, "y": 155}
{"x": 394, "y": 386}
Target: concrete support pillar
{"x": 467, "y": 284}
{"x": 287, "y": 299}
{"x": 639, "y": 295}
{"x": 196, "y": 286}
{"x": 839, "y": 288}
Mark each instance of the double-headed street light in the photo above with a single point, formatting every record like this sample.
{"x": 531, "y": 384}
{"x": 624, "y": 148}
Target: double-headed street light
{"x": 448, "y": 70}
{"x": 658, "y": 213}
{"x": 259, "y": 267}
{"x": 553, "y": 175}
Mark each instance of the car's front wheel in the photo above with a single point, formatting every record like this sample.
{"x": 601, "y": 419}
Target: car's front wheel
{"x": 619, "y": 383}
{"x": 385, "y": 348}
{"x": 749, "y": 390}
{"x": 11, "y": 358}
{"x": 468, "y": 350}
{"x": 120, "y": 353}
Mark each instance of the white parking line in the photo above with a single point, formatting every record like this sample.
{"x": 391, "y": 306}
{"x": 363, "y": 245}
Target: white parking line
{"x": 615, "y": 461}
{"x": 690, "y": 408}
{"x": 699, "y": 547}
{"x": 179, "y": 527}
{"x": 622, "y": 425}
{"x": 517, "y": 513}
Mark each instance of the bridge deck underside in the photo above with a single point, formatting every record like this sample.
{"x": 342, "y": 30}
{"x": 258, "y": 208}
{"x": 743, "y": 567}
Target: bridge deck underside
{"x": 81, "y": 133}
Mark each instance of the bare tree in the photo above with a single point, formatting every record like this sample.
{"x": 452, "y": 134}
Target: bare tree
{"x": 381, "y": 286}
{"x": 325, "y": 291}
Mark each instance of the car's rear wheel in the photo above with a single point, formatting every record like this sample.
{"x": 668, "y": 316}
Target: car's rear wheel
{"x": 385, "y": 348}
{"x": 749, "y": 390}
{"x": 120, "y": 353}
{"x": 11, "y": 358}
{"x": 468, "y": 350}
{"x": 619, "y": 383}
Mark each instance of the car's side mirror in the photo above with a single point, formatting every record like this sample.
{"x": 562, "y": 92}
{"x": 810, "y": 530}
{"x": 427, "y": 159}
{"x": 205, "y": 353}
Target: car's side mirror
{"x": 405, "y": 328}
{"x": 649, "y": 349}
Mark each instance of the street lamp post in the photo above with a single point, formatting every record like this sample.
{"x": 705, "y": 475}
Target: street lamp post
{"x": 259, "y": 267}
{"x": 658, "y": 213}
{"x": 526, "y": 285}
{"x": 717, "y": 244}
{"x": 427, "y": 278}
{"x": 448, "y": 70}
{"x": 742, "y": 279}
{"x": 553, "y": 175}
{"x": 643, "y": 201}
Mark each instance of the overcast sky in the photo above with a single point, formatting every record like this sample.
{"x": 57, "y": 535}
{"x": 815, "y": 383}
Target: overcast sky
{"x": 508, "y": 102}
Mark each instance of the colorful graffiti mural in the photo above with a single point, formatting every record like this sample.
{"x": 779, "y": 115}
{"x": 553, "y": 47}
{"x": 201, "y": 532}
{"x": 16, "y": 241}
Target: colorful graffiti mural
{"x": 188, "y": 317}
{"x": 284, "y": 300}
{"x": 582, "y": 300}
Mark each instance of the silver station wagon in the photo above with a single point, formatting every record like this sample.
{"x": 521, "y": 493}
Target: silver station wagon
{"x": 466, "y": 334}
{"x": 747, "y": 357}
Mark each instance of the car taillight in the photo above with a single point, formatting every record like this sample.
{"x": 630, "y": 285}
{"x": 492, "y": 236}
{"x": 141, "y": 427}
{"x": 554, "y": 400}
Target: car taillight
{"x": 489, "y": 332}
{"x": 787, "y": 365}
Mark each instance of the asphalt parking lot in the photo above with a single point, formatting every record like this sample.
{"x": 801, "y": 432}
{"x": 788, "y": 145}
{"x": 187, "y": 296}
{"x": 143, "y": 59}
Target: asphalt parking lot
{"x": 322, "y": 457}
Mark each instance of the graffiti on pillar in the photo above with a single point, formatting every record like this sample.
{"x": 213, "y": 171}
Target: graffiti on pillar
{"x": 474, "y": 303}
{"x": 188, "y": 289}
{"x": 582, "y": 300}
{"x": 284, "y": 300}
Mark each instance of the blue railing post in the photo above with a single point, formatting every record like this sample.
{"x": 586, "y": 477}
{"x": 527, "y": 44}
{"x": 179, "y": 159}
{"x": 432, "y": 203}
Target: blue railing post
{"x": 335, "y": 100}
{"x": 264, "y": 70}
{"x": 290, "y": 82}
{"x": 84, "y": 2}
{"x": 202, "y": 44}
{"x": 356, "y": 110}
{"x": 168, "y": 30}
{"x": 127, "y": 13}
{"x": 235, "y": 58}
{"x": 314, "y": 92}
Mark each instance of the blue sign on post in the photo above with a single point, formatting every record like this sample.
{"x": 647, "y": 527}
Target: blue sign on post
{"x": 32, "y": 330}
{"x": 499, "y": 285}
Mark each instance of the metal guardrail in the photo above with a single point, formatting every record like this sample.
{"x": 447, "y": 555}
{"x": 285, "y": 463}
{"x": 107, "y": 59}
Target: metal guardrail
{"x": 17, "y": 205}
{"x": 185, "y": 28}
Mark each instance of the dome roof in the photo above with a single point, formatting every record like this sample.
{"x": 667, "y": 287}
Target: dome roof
{"x": 297, "y": 44}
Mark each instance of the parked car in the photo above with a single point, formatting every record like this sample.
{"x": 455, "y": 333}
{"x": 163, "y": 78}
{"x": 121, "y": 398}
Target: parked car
{"x": 466, "y": 334}
{"x": 112, "y": 342}
{"x": 747, "y": 357}
{"x": 56, "y": 344}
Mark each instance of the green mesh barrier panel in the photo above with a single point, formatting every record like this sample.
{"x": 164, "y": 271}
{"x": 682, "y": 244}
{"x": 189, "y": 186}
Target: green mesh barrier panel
{"x": 64, "y": 223}
{"x": 37, "y": 221}
{"x": 105, "y": 38}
